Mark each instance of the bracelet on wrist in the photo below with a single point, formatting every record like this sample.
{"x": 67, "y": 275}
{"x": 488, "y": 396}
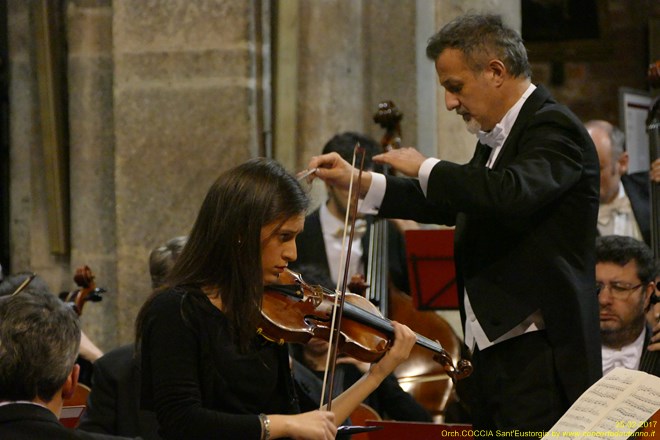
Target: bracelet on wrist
{"x": 265, "y": 426}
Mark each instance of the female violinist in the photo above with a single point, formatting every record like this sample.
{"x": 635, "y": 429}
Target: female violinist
{"x": 205, "y": 372}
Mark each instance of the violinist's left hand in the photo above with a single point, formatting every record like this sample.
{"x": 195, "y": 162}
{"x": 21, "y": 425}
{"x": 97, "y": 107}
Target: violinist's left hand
{"x": 404, "y": 160}
{"x": 404, "y": 340}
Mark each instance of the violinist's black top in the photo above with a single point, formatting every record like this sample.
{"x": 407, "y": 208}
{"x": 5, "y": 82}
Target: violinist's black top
{"x": 197, "y": 382}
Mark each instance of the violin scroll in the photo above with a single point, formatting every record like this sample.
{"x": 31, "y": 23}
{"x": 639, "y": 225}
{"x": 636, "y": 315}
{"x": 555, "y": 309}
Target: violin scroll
{"x": 462, "y": 370}
{"x": 84, "y": 278}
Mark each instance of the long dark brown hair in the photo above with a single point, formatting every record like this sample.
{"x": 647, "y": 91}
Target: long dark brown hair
{"x": 224, "y": 246}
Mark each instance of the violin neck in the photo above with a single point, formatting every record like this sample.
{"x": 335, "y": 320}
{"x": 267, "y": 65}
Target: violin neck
{"x": 385, "y": 325}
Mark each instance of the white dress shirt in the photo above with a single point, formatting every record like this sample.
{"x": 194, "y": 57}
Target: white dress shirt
{"x": 628, "y": 356}
{"x": 618, "y": 218}
{"x": 332, "y": 229}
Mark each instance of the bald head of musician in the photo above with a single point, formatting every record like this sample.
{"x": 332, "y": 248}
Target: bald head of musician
{"x": 624, "y": 196}
{"x": 39, "y": 341}
{"x": 610, "y": 146}
{"x": 625, "y": 280}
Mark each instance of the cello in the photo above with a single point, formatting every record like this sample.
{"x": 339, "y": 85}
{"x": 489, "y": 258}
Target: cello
{"x": 426, "y": 380}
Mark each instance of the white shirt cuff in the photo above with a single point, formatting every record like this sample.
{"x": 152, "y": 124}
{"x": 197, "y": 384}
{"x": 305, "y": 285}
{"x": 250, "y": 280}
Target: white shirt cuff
{"x": 425, "y": 172}
{"x": 374, "y": 197}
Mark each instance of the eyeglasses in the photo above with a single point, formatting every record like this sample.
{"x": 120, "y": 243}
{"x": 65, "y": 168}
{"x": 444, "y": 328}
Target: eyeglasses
{"x": 618, "y": 290}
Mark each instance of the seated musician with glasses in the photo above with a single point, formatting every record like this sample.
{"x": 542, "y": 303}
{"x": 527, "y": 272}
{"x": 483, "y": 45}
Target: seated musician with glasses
{"x": 625, "y": 280}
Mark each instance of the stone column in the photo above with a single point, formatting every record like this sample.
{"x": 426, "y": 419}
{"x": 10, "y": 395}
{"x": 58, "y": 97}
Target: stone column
{"x": 29, "y": 241}
{"x": 183, "y": 98}
{"x": 331, "y": 74}
{"x": 24, "y": 131}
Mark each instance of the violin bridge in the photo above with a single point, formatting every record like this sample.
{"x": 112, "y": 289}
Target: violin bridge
{"x": 316, "y": 297}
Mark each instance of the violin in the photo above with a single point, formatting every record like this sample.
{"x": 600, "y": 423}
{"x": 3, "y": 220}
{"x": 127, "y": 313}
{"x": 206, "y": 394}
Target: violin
{"x": 74, "y": 406}
{"x": 84, "y": 278}
{"x": 295, "y": 311}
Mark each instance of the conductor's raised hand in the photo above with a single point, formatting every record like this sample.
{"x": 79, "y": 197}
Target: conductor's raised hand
{"x": 406, "y": 160}
{"x": 335, "y": 171}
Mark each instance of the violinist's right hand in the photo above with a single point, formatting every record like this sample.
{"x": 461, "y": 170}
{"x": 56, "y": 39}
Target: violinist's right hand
{"x": 313, "y": 425}
{"x": 335, "y": 171}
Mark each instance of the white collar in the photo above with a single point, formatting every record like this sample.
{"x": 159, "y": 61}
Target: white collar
{"x": 628, "y": 356}
{"x": 329, "y": 223}
{"x": 496, "y": 137}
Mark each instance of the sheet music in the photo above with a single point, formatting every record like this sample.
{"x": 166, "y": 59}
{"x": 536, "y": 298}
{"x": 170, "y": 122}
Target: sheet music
{"x": 618, "y": 404}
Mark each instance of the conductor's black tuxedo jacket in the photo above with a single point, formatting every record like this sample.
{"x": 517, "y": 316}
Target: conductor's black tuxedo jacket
{"x": 525, "y": 232}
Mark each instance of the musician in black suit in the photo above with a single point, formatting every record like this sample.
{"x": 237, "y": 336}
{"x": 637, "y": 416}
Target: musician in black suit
{"x": 625, "y": 205}
{"x": 625, "y": 277}
{"x": 525, "y": 210}
{"x": 319, "y": 244}
{"x": 39, "y": 341}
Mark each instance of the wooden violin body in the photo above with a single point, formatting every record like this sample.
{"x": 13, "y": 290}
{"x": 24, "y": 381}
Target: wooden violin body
{"x": 296, "y": 312}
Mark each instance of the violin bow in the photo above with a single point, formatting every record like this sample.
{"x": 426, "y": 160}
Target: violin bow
{"x": 331, "y": 359}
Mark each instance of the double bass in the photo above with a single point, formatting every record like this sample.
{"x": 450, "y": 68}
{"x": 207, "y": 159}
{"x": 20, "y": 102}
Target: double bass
{"x": 426, "y": 380}
{"x": 650, "y": 359}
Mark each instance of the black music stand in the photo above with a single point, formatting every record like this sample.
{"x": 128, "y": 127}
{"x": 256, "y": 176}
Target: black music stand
{"x": 431, "y": 269}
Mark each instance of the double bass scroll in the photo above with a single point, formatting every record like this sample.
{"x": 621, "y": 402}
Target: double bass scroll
{"x": 389, "y": 118}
